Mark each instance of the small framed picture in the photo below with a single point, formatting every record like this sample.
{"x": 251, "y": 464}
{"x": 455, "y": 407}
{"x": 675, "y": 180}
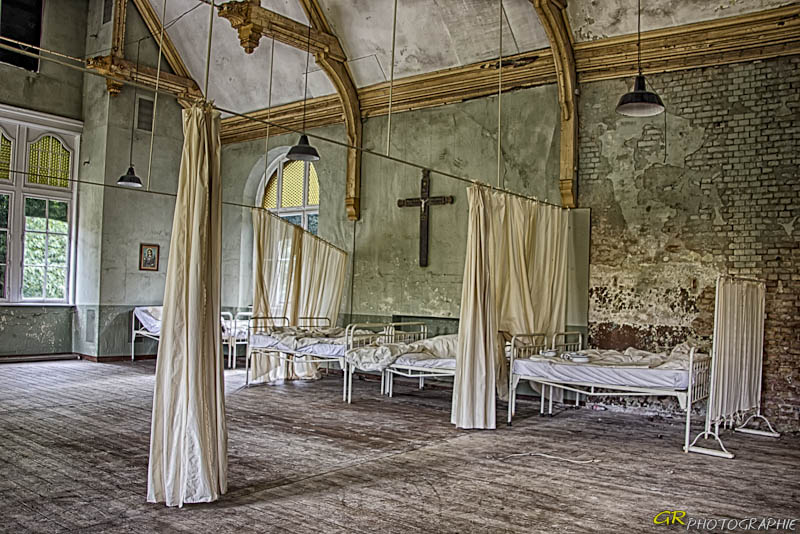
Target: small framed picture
{"x": 148, "y": 257}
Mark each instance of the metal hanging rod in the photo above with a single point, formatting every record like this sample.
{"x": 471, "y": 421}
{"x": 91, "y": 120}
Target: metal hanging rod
{"x": 289, "y": 129}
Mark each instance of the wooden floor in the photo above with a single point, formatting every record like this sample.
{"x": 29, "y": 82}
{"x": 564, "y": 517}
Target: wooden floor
{"x": 74, "y": 441}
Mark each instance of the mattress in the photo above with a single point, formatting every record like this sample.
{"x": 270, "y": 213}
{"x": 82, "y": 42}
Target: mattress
{"x": 414, "y": 359}
{"x": 266, "y": 341}
{"x": 643, "y": 377}
{"x": 150, "y": 318}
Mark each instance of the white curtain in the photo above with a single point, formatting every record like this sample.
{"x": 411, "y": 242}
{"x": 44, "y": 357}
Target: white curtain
{"x": 188, "y": 437}
{"x": 276, "y": 263}
{"x": 738, "y": 348}
{"x": 320, "y": 291}
{"x": 514, "y": 281}
{"x": 296, "y": 275}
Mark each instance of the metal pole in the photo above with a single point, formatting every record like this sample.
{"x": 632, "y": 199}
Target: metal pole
{"x": 500, "y": 97}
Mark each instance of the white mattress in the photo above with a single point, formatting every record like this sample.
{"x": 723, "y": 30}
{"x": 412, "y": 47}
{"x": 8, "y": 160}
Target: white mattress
{"x": 334, "y": 350}
{"x": 643, "y": 377}
{"x": 414, "y": 359}
{"x": 265, "y": 341}
{"x": 150, "y": 318}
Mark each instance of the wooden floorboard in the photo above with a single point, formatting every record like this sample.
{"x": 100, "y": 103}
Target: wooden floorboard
{"x": 74, "y": 440}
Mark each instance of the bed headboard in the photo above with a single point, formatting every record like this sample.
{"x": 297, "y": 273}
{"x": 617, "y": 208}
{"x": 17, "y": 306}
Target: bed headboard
{"x": 437, "y": 326}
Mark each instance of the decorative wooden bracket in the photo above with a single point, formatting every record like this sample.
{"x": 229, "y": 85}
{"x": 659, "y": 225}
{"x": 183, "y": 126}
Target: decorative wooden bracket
{"x": 553, "y": 15}
{"x": 253, "y": 21}
{"x": 125, "y": 71}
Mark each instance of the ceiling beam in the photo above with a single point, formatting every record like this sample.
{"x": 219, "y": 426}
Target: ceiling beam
{"x": 339, "y": 73}
{"x": 253, "y": 22}
{"x": 751, "y": 37}
{"x": 553, "y": 16}
{"x": 120, "y": 14}
{"x": 122, "y": 70}
{"x": 153, "y": 23}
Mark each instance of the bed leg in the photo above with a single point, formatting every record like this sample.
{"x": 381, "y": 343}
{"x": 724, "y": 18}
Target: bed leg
{"x": 577, "y": 399}
{"x": 542, "y": 395}
{"x": 391, "y": 384}
{"x": 550, "y": 403}
{"x": 133, "y": 337}
{"x": 422, "y": 382}
{"x": 687, "y": 432}
{"x": 383, "y": 382}
{"x": 344, "y": 381}
{"x": 350, "y": 385}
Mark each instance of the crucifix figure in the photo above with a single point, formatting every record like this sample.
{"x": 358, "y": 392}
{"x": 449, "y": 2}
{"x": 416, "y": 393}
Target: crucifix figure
{"x": 424, "y": 202}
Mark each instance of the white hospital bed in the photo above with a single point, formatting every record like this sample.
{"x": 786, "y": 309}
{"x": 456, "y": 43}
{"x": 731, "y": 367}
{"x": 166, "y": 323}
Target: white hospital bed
{"x": 687, "y": 381}
{"x": 263, "y": 340}
{"x": 145, "y": 322}
{"x": 234, "y": 333}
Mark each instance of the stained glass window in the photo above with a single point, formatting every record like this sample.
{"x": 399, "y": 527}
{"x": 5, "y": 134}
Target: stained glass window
{"x": 49, "y": 163}
{"x": 5, "y": 202}
{"x": 293, "y": 193}
{"x": 5, "y": 157}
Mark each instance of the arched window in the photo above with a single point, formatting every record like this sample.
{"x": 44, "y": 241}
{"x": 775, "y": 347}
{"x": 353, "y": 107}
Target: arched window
{"x": 292, "y": 192}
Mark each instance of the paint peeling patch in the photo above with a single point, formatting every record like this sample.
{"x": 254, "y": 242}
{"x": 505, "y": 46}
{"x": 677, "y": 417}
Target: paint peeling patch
{"x": 654, "y": 338}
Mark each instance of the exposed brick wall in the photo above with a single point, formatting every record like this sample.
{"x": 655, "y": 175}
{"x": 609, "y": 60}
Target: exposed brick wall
{"x": 723, "y": 196}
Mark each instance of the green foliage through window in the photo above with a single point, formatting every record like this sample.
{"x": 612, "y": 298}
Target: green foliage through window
{"x": 46, "y": 249}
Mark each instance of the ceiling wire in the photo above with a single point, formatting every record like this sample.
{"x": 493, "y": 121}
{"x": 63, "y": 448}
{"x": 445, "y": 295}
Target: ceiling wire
{"x": 391, "y": 82}
{"x": 500, "y": 100}
{"x": 269, "y": 111}
{"x": 291, "y": 130}
{"x": 155, "y": 97}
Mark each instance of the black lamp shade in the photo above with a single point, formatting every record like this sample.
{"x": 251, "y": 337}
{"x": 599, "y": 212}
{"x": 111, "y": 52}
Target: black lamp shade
{"x": 640, "y": 102}
{"x": 303, "y": 151}
{"x": 129, "y": 179}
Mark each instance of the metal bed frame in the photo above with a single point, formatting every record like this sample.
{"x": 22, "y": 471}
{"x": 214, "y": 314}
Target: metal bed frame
{"x": 351, "y": 340}
{"x": 696, "y": 390}
{"x": 231, "y": 340}
{"x": 140, "y": 332}
{"x": 391, "y": 333}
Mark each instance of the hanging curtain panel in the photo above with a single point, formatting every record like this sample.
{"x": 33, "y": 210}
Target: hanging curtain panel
{"x": 515, "y": 279}
{"x": 320, "y": 291}
{"x": 189, "y": 438}
{"x": 276, "y": 264}
{"x": 296, "y": 275}
{"x": 738, "y": 348}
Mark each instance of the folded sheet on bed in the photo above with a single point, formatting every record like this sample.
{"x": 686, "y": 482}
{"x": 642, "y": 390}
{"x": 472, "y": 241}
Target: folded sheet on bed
{"x": 631, "y": 357}
{"x": 237, "y": 328}
{"x": 379, "y": 357}
{"x": 149, "y": 317}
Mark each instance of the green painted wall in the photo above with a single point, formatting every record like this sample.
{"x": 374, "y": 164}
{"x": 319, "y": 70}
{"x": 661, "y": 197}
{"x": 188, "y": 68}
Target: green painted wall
{"x": 54, "y": 89}
{"x": 35, "y": 330}
{"x": 459, "y": 139}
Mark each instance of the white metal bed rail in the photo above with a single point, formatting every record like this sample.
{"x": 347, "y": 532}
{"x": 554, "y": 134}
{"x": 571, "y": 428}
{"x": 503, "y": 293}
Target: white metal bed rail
{"x": 697, "y": 389}
{"x": 397, "y": 332}
{"x": 140, "y": 331}
{"x": 567, "y": 342}
{"x": 522, "y": 346}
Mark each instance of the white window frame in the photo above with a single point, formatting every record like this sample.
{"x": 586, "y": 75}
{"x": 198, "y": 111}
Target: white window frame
{"x": 305, "y": 210}
{"x": 25, "y": 127}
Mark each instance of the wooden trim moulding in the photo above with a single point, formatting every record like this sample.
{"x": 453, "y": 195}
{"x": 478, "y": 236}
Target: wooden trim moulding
{"x": 749, "y": 37}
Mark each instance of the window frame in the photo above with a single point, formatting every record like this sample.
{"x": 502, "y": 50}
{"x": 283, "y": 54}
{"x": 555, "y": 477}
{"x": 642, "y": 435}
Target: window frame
{"x": 276, "y": 170}
{"x": 42, "y": 29}
{"x": 25, "y": 127}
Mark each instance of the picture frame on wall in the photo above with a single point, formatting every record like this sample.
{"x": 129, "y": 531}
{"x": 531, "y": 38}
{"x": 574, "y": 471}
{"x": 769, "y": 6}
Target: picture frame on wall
{"x": 148, "y": 257}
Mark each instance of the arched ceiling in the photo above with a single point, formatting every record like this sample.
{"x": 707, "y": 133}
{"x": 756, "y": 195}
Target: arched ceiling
{"x": 432, "y": 35}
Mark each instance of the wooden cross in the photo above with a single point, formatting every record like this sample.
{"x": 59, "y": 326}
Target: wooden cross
{"x": 424, "y": 201}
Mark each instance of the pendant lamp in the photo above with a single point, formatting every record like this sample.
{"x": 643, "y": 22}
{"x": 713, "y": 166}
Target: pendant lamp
{"x": 129, "y": 179}
{"x": 303, "y": 151}
{"x": 640, "y": 102}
